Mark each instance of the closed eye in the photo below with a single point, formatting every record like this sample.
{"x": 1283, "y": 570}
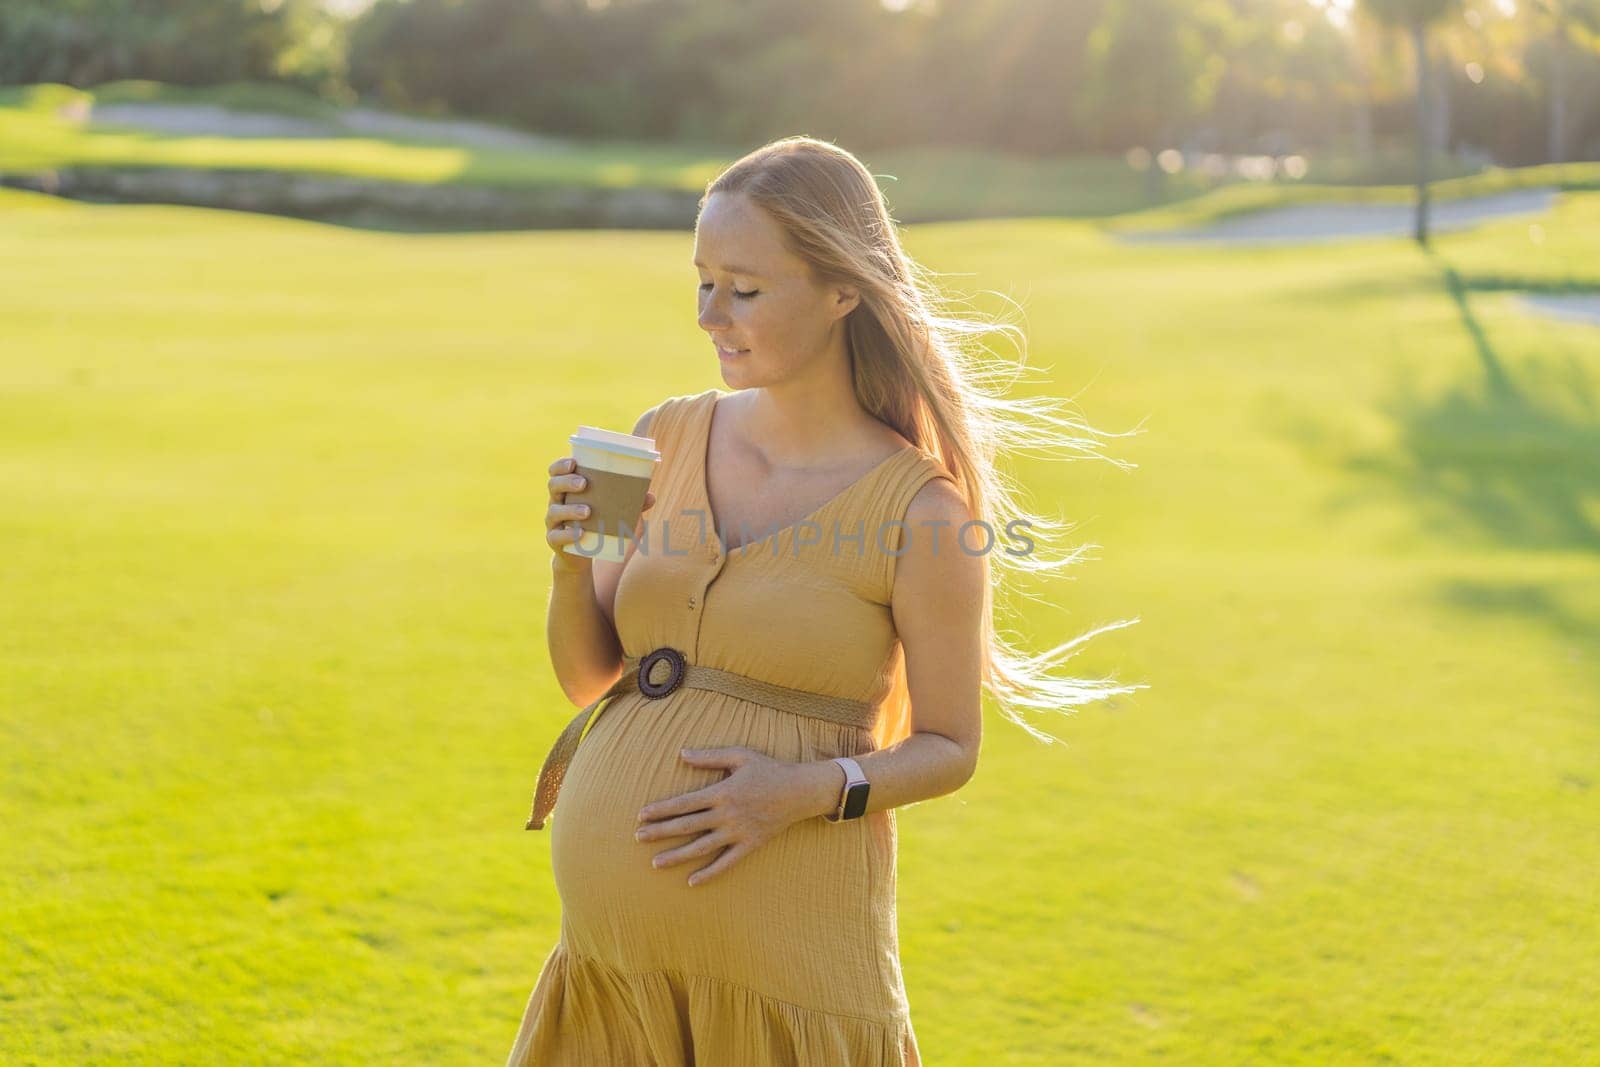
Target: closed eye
{"x": 745, "y": 296}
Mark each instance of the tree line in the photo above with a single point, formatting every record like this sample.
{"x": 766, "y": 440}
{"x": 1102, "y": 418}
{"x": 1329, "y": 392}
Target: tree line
{"x": 1517, "y": 81}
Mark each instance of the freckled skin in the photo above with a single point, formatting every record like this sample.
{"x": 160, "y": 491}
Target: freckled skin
{"x": 792, "y": 325}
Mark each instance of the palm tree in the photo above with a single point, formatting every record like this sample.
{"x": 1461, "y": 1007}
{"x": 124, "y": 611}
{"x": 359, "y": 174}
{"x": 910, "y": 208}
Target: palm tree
{"x": 1415, "y": 17}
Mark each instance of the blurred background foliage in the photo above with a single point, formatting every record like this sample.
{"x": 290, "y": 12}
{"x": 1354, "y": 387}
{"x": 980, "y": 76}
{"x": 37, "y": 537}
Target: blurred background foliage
{"x": 1515, "y": 82}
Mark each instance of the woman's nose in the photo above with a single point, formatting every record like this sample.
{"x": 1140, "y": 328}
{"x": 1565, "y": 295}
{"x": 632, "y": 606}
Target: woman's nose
{"x": 712, "y": 317}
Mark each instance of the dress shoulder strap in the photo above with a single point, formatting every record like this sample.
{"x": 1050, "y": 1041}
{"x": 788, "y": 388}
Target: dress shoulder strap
{"x": 673, "y": 424}
{"x": 665, "y": 424}
{"x": 675, "y": 430}
{"x": 896, "y": 486}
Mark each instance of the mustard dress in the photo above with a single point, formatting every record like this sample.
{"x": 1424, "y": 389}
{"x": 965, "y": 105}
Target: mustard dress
{"x": 791, "y": 956}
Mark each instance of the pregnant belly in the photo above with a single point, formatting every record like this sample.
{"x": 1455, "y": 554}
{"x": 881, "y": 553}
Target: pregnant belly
{"x": 629, "y": 758}
{"x": 817, "y": 880}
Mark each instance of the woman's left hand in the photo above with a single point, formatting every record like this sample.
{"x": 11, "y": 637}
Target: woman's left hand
{"x": 758, "y": 799}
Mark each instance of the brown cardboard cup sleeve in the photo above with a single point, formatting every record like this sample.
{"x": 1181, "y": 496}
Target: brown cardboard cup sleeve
{"x": 615, "y": 501}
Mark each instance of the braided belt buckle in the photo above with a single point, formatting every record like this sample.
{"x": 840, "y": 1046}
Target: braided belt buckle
{"x": 657, "y": 690}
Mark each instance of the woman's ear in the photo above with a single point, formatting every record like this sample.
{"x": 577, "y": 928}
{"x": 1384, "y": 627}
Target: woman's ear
{"x": 846, "y": 298}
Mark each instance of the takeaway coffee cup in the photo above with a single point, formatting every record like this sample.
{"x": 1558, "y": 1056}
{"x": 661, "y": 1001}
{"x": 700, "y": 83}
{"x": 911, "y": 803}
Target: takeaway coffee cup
{"x": 618, "y": 467}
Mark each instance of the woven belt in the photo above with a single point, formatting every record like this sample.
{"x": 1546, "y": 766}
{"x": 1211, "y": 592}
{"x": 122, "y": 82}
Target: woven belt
{"x": 664, "y": 671}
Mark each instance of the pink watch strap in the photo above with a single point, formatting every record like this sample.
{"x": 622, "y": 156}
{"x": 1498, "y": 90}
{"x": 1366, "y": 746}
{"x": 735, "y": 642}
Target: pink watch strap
{"x": 853, "y": 775}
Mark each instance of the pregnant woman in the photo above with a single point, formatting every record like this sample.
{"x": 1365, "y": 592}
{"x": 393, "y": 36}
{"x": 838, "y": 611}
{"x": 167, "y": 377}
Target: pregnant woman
{"x": 794, "y": 646}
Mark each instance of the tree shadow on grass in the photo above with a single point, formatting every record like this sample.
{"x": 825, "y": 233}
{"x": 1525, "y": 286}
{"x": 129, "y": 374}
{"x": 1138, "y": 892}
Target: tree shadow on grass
{"x": 1510, "y": 459}
{"x": 1518, "y": 460}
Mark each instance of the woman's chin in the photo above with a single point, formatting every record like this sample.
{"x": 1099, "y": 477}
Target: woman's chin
{"x": 736, "y": 367}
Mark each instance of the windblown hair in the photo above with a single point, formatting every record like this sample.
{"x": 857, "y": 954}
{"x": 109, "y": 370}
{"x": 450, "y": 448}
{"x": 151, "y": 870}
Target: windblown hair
{"x": 922, "y": 369}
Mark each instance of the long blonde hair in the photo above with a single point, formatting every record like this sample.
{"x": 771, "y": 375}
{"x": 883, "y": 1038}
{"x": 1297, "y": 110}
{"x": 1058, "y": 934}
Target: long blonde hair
{"x": 922, "y": 370}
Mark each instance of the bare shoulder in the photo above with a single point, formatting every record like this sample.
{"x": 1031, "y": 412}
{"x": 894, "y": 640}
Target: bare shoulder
{"x": 938, "y": 601}
{"x": 938, "y": 499}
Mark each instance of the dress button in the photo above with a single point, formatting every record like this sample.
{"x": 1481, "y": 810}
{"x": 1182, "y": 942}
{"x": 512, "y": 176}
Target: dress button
{"x": 691, "y": 601}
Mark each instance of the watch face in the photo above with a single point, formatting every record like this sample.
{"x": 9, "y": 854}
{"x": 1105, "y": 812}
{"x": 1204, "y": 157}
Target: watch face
{"x": 855, "y": 801}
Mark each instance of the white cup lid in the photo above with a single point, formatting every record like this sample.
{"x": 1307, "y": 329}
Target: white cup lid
{"x": 611, "y": 441}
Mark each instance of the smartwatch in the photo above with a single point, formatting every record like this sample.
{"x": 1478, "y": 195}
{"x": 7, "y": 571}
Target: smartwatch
{"x": 853, "y": 797}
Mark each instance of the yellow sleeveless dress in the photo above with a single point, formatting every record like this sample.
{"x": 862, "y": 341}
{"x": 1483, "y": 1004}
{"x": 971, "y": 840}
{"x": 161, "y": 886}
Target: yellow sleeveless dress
{"x": 791, "y": 956}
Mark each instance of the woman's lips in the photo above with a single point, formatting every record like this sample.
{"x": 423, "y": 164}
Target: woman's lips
{"x": 730, "y": 353}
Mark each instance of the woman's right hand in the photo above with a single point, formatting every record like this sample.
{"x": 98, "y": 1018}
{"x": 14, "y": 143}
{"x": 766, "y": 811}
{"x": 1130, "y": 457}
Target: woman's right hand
{"x": 561, "y": 518}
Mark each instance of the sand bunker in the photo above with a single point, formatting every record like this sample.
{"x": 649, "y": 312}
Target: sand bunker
{"x": 1325, "y": 222}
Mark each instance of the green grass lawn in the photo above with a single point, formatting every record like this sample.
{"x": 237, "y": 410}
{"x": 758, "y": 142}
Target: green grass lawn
{"x": 274, "y": 690}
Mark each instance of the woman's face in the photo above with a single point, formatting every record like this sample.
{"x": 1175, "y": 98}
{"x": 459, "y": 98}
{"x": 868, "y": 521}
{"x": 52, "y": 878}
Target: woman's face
{"x": 766, "y": 313}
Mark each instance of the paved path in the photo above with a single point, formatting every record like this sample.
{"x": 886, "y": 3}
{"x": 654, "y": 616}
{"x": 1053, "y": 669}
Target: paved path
{"x": 1575, "y": 307}
{"x": 1332, "y": 221}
